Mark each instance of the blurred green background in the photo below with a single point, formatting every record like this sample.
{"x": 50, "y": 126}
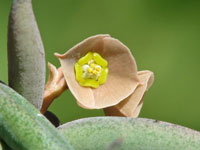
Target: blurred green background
{"x": 164, "y": 37}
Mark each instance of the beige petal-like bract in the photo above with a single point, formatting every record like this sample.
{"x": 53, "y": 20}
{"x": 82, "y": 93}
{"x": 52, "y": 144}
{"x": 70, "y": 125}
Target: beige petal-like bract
{"x": 55, "y": 82}
{"x": 122, "y": 78}
{"x": 131, "y": 106}
{"x": 55, "y": 86}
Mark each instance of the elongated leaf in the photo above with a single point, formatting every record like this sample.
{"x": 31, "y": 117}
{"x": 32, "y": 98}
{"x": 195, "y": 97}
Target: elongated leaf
{"x": 23, "y": 127}
{"x": 106, "y": 133}
{"x": 26, "y": 58}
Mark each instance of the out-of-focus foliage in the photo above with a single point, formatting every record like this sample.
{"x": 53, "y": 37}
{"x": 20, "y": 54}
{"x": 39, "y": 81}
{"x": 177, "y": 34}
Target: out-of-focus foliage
{"x": 163, "y": 36}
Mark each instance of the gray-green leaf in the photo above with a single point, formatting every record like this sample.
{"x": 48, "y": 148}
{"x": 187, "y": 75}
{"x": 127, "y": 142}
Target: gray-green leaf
{"x": 120, "y": 133}
{"x": 26, "y": 57}
{"x": 23, "y": 127}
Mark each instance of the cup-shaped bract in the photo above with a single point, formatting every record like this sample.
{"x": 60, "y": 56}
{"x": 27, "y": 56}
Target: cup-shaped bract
{"x": 122, "y": 79}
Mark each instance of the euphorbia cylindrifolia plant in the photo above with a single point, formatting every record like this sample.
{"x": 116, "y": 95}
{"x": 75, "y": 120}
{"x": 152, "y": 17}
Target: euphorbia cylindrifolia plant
{"x": 101, "y": 73}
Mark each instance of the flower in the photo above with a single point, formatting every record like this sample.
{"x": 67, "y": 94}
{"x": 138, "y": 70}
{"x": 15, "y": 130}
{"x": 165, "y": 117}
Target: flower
{"x": 123, "y": 86}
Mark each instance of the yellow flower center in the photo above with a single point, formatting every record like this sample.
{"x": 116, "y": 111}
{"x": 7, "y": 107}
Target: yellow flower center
{"x": 91, "y": 70}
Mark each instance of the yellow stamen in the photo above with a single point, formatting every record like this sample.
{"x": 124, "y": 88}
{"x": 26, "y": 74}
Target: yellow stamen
{"x": 97, "y": 68}
{"x": 92, "y": 65}
{"x": 94, "y": 72}
{"x": 90, "y": 70}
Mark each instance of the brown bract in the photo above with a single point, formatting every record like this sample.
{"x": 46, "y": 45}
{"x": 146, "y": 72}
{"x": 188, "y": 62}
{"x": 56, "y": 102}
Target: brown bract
{"x": 122, "y": 81}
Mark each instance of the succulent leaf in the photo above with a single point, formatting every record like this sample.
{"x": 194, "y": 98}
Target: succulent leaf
{"x": 23, "y": 127}
{"x": 26, "y": 57}
{"x": 124, "y": 133}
